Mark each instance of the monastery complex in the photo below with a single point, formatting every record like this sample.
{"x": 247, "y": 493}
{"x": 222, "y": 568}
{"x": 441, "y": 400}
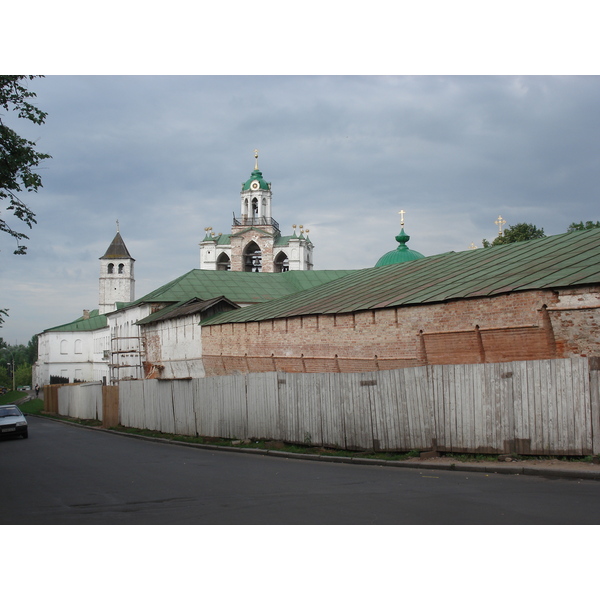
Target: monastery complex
{"x": 257, "y": 304}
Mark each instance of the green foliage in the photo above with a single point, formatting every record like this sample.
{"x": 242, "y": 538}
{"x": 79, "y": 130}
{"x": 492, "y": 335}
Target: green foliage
{"x": 18, "y": 156}
{"x": 5, "y": 378}
{"x": 521, "y": 232}
{"x": 23, "y": 375}
{"x": 23, "y": 357}
{"x": 581, "y": 226}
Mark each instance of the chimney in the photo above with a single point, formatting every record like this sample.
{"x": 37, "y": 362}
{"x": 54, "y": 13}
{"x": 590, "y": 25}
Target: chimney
{"x": 86, "y": 314}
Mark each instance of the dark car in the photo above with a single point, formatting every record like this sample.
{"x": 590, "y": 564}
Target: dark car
{"x": 12, "y": 421}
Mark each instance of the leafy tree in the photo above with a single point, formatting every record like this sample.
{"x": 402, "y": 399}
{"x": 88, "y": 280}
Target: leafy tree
{"x": 581, "y": 226}
{"x": 521, "y": 232}
{"x": 23, "y": 375}
{"x": 18, "y": 156}
{"x": 32, "y": 350}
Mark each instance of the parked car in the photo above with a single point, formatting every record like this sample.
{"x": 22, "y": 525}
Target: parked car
{"x": 12, "y": 421}
{"x": 24, "y": 388}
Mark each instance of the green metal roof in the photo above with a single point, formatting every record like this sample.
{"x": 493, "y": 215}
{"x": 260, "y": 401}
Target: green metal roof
{"x": 401, "y": 254}
{"x": 569, "y": 259}
{"x": 237, "y": 286}
{"x": 256, "y": 176}
{"x": 96, "y": 321}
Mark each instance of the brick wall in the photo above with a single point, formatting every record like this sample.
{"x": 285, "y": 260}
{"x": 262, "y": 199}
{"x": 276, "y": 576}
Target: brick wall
{"x": 530, "y": 325}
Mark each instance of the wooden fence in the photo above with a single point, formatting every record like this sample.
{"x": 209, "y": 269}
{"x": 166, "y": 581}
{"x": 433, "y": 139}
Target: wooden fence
{"x": 546, "y": 407}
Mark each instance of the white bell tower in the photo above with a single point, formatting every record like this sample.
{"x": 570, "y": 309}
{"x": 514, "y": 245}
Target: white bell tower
{"x": 117, "y": 282}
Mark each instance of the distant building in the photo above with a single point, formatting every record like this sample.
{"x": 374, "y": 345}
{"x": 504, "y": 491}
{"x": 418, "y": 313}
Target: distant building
{"x": 255, "y": 243}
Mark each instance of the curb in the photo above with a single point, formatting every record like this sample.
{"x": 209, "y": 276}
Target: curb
{"x": 495, "y": 469}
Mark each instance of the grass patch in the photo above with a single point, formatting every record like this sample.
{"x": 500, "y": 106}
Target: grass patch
{"x": 12, "y": 397}
{"x": 35, "y": 406}
{"x": 471, "y": 457}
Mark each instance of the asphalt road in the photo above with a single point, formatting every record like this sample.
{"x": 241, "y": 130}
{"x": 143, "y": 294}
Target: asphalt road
{"x": 70, "y": 475}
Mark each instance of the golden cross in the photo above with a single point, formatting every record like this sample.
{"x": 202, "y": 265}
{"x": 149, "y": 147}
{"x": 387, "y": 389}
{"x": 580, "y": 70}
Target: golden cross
{"x": 256, "y": 157}
{"x": 402, "y": 213}
{"x": 500, "y": 221}
{"x": 117, "y": 225}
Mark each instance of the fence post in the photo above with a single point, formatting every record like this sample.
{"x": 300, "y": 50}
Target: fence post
{"x": 110, "y": 406}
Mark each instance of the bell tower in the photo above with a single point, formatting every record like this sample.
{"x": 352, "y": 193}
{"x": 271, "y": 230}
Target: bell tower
{"x": 256, "y": 199}
{"x": 117, "y": 282}
{"x": 255, "y": 243}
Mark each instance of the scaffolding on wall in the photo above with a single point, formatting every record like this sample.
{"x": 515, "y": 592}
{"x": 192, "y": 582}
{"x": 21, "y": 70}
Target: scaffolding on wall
{"x": 127, "y": 356}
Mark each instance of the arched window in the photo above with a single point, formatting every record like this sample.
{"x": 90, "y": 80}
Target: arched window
{"x": 252, "y": 258}
{"x": 111, "y": 268}
{"x": 121, "y": 268}
{"x": 77, "y": 346}
{"x": 223, "y": 262}
{"x": 63, "y": 347}
{"x": 282, "y": 264}
{"x": 254, "y": 207}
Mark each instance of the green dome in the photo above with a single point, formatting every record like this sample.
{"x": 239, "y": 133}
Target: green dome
{"x": 401, "y": 254}
{"x": 256, "y": 176}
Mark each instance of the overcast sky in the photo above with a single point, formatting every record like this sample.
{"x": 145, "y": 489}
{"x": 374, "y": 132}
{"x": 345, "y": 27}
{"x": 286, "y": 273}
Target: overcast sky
{"x": 166, "y": 156}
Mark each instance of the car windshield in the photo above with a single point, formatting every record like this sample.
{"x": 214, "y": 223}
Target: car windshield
{"x": 9, "y": 411}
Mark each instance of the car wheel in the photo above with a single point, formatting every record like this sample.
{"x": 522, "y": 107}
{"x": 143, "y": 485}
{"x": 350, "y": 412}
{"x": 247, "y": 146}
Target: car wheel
{"x": 25, "y": 435}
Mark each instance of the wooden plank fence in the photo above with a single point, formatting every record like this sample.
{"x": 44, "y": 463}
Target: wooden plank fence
{"x": 547, "y": 407}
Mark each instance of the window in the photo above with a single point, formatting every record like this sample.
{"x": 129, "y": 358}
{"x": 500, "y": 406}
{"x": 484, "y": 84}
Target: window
{"x": 78, "y": 347}
{"x": 64, "y": 347}
{"x": 121, "y": 268}
{"x": 111, "y": 268}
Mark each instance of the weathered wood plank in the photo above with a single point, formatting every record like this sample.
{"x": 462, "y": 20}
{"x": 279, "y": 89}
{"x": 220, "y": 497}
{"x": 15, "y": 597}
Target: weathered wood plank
{"x": 263, "y": 406}
{"x": 333, "y": 408}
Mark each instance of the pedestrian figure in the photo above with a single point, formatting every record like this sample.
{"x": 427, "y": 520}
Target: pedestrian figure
{"x": 37, "y": 389}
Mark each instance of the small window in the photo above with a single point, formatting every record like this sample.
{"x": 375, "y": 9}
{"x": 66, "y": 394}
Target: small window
{"x": 78, "y": 347}
{"x": 63, "y": 347}
{"x": 121, "y": 268}
{"x": 111, "y": 268}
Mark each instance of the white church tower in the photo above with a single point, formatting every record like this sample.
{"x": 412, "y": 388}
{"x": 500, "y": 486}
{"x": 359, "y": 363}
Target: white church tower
{"x": 255, "y": 243}
{"x": 117, "y": 283}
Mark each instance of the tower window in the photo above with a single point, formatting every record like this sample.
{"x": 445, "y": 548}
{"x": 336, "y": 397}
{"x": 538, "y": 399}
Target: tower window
{"x": 254, "y": 206}
{"x": 111, "y": 268}
{"x": 121, "y": 268}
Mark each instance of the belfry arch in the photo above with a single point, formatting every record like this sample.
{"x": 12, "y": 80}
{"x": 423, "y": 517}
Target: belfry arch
{"x": 281, "y": 263}
{"x": 223, "y": 262}
{"x": 252, "y": 258}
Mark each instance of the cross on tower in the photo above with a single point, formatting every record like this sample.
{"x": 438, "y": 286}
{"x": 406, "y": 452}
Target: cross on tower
{"x": 402, "y": 213}
{"x": 500, "y": 221}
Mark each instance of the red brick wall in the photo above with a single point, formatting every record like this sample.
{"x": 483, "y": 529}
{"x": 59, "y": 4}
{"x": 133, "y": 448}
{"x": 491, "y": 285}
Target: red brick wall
{"x": 504, "y": 328}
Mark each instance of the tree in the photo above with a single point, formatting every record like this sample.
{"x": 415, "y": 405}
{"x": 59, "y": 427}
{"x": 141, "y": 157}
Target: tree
{"x": 581, "y": 226}
{"x": 521, "y": 232}
{"x": 18, "y": 156}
